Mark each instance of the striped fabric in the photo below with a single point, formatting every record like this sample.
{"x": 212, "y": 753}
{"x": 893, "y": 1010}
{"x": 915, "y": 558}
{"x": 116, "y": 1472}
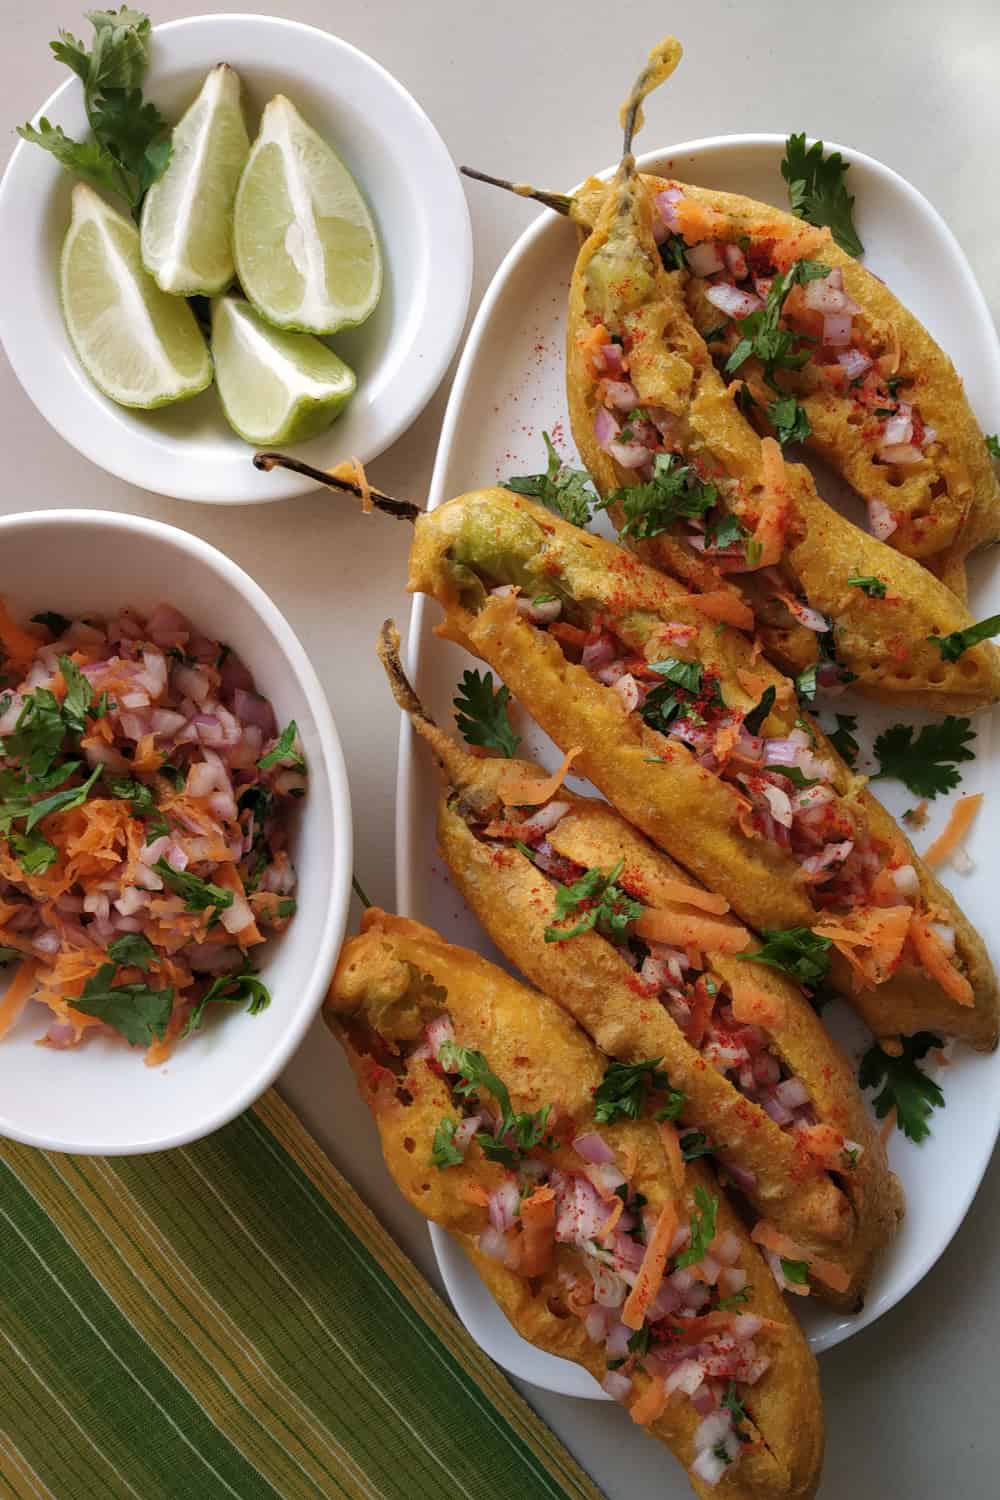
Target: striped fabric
{"x": 229, "y": 1320}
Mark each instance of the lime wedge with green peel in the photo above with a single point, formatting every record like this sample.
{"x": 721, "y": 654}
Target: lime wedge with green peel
{"x": 276, "y": 386}
{"x": 307, "y": 254}
{"x": 187, "y": 217}
{"x": 137, "y": 344}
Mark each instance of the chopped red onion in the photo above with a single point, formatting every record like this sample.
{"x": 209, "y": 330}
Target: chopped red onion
{"x": 541, "y": 613}
{"x": 594, "y": 1148}
{"x": 810, "y": 618}
{"x": 906, "y": 881}
{"x": 622, "y": 395}
{"x": 837, "y": 330}
{"x": 616, "y": 1343}
{"x": 792, "y": 1093}
{"x": 606, "y": 429}
{"x": 503, "y": 1204}
{"x": 779, "y": 804}
{"x": 613, "y": 358}
{"x": 666, "y": 208}
{"x": 544, "y": 819}
{"x": 705, "y": 259}
{"x": 628, "y": 691}
{"x": 732, "y": 300}
{"x": 439, "y": 1031}
{"x": 899, "y": 427}
{"x": 492, "y": 1243}
{"x": 598, "y": 653}
{"x": 880, "y": 520}
{"x": 629, "y": 455}
{"x": 946, "y": 936}
{"x": 736, "y": 262}
{"x": 899, "y": 453}
{"x": 617, "y": 1386}
{"x": 854, "y": 363}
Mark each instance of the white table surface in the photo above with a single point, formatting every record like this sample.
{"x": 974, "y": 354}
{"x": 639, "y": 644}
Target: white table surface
{"x": 529, "y": 88}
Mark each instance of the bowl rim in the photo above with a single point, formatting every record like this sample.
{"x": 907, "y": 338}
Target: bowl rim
{"x": 435, "y": 353}
{"x": 330, "y": 937}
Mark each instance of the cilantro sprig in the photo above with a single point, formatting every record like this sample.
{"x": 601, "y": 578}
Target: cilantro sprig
{"x": 598, "y": 903}
{"x": 817, "y": 191}
{"x": 674, "y": 493}
{"x": 794, "y": 950}
{"x": 875, "y": 588}
{"x": 131, "y": 145}
{"x": 927, "y": 763}
{"x": 230, "y": 989}
{"x": 569, "y": 492}
{"x": 137, "y": 1011}
{"x": 132, "y": 951}
{"x": 284, "y": 753}
{"x": 905, "y": 1086}
{"x": 789, "y": 419}
{"x": 518, "y": 1131}
{"x": 993, "y": 445}
{"x": 444, "y": 1152}
{"x": 795, "y": 1271}
{"x": 702, "y": 1223}
{"x": 625, "y": 1088}
{"x": 481, "y": 714}
{"x": 958, "y": 642}
{"x": 842, "y": 738}
{"x": 761, "y": 336}
{"x": 199, "y": 895}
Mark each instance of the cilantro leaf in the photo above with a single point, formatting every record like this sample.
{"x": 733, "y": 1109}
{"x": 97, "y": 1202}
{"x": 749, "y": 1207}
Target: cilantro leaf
{"x": 817, "y": 192}
{"x": 79, "y": 696}
{"x": 74, "y": 796}
{"x": 993, "y": 445}
{"x": 806, "y": 684}
{"x": 873, "y": 587}
{"x": 673, "y": 1106}
{"x": 953, "y": 646}
{"x": 731, "y": 1402}
{"x": 761, "y": 335}
{"x": 695, "y": 1143}
{"x": 926, "y": 764}
{"x": 737, "y": 1299}
{"x": 38, "y": 734}
{"x": 139, "y": 1013}
{"x": 518, "y": 1131}
{"x": 702, "y": 1229}
{"x": 674, "y": 493}
{"x": 198, "y": 894}
{"x": 842, "y": 738}
{"x": 905, "y": 1087}
{"x": 622, "y": 1092}
{"x": 54, "y": 623}
{"x": 132, "y": 951}
{"x": 131, "y": 145}
{"x": 141, "y": 797}
{"x": 284, "y": 752}
{"x": 795, "y": 1271}
{"x": 789, "y": 419}
{"x": 445, "y": 1153}
{"x": 755, "y": 718}
{"x": 230, "y": 989}
{"x": 683, "y": 674}
{"x": 638, "y": 1343}
{"x": 34, "y": 853}
{"x": 481, "y": 713}
{"x": 794, "y": 950}
{"x": 598, "y": 903}
{"x": 91, "y": 161}
{"x": 569, "y": 492}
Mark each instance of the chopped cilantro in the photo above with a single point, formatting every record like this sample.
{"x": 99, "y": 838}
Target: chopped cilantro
{"x": 905, "y": 1087}
{"x": 761, "y": 336}
{"x": 638, "y": 1344}
{"x": 806, "y": 684}
{"x": 789, "y": 419}
{"x": 794, "y": 950}
{"x": 695, "y": 1143}
{"x": 230, "y": 989}
{"x": 132, "y": 951}
{"x": 284, "y": 752}
{"x": 683, "y": 674}
{"x": 817, "y": 191}
{"x": 622, "y": 1092}
{"x": 674, "y": 493}
{"x": 445, "y": 1153}
{"x": 873, "y": 587}
{"x": 737, "y": 1299}
{"x": 56, "y": 624}
{"x": 569, "y": 492}
{"x": 993, "y": 445}
{"x": 712, "y": 335}
{"x": 34, "y": 853}
{"x": 702, "y": 1229}
{"x": 731, "y": 1402}
{"x": 927, "y": 764}
{"x": 138, "y": 1012}
{"x": 953, "y": 646}
{"x": 141, "y": 797}
{"x": 63, "y": 801}
{"x": 481, "y": 713}
{"x": 597, "y": 902}
{"x": 842, "y": 738}
{"x": 795, "y": 1271}
{"x": 199, "y": 895}
{"x": 79, "y": 696}
{"x": 673, "y": 253}
{"x": 672, "y": 1108}
{"x": 753, "y": 721}
{"x": 518, "y": 1131}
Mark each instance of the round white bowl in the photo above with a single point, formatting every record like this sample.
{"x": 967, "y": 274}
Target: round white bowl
{"x": 399, "y": 355}
{"x": 101, "y": 1098}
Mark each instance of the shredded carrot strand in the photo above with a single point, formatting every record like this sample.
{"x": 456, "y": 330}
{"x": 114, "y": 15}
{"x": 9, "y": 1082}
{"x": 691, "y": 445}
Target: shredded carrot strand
{"x": 753, "y": 1005}
{"x": 672, "y": 1149}
{"x": 683, "y": 929}
{"x": 722, "y": 605}
{"x": 538, "y": 1232}
{"x": 827, "y": 1271}
{"x": 650, "y": 1274}
{"x": 960, "y": 820}
{"x": 934, "y": 958}
{"x": 17, "y": 994}
{"x": 522, "y": 790}
{"x": 651, "y": 1404}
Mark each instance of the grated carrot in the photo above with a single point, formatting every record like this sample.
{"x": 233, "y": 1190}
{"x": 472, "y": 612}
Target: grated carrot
{"x": 934, "y": 959}
{"x": 826, "y": 1271}
{"x": 651, "y": 1404}
{"x": 474, "y": 1193}
{"x": 682, "y": 929}
{"x": 960, "y": 820}
{"x": 672, "y": 1150}
{"x": 725, "y": 606}
{"x": 665, "y": 889}
{"x": 17, "y": 644}
{"x": 753, "y": 1005}
{"x": 617, "y": 1206}
{"x": 650, "y": 1273}
{"x": 538, "y": 1232}
{"x": 17, "y": 994}
{"x": 522, "y": 790}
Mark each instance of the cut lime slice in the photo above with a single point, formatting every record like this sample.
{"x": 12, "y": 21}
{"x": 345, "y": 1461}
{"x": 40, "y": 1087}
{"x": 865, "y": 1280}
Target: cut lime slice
{"x": 307, "y": 253}
{"x": 187, "y": 218}
{"x": 276, "y": 387}
{"x": 139, "y": 346}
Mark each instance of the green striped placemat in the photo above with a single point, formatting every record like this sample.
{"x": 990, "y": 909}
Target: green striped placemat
{"x": 228, "y": 1319}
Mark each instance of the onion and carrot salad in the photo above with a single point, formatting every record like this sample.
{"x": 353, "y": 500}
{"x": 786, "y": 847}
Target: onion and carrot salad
{"x": 145, "y": 801}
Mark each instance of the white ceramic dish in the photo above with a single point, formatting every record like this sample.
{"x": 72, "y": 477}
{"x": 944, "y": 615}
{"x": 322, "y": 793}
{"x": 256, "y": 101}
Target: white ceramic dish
{"x": 101, "y": 1098}
{"x": 399, "y": 355}
{"x": 509, "y": 386}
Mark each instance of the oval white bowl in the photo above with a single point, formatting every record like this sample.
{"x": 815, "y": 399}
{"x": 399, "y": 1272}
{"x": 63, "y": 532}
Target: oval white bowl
{"x": 509, "y": 386}
{"x": 399, "y": 356}
{"x": 101, "y": 1098}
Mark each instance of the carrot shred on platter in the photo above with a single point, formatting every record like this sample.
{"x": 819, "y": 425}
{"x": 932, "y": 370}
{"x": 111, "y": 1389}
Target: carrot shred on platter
{"x": 960, "y": 820}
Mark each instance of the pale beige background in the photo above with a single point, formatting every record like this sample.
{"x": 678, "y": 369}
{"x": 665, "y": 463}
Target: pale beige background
{"x": 911, "y": 1403}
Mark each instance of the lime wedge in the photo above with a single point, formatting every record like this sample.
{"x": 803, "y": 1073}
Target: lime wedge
{"x": 276, "y": 387}
{"x": 187, "y": 218}
{"x": 139, "y": 346}
{"x": 306, "y": 249}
